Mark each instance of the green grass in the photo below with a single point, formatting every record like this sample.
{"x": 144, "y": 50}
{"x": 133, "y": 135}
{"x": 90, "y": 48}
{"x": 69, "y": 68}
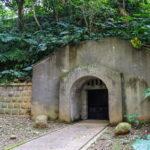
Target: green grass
{"x": 11, "y": 147}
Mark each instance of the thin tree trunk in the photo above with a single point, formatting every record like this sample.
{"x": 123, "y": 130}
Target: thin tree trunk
{"x": 35, "y": 17}
{"x": 55, "y": 13}
{"x": 85, "y": 18}
{"x": 122, "y": 8}
{"x": 124, "y": 5}
{"x": 20, "y": 4}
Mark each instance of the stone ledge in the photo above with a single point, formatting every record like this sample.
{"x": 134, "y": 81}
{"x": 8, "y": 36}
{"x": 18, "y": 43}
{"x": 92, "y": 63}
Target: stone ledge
{"x": 16, "y": 84}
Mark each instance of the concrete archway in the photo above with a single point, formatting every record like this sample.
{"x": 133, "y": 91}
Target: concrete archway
{"x": 70, "y": 86}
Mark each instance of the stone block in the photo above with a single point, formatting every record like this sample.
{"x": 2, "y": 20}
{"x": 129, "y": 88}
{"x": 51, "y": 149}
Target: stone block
{"x": 15, "y": 112}
{"x": 1, "y": 99}
{"x": 7, "y": 99}
{"x": 19, "y": 99}
{"x": 7, "y": 111}
{"x": 10, "y": 95}
{"x": 24, "y": 106}
{"x": 17, "y": 94}
{"x": 4, "y": 105}
{"x": 26, "y": 100}
{"x": 16, "y": 105}
{"x": 2, "y": 111}
{"x": 10, "y": 105}
{"x": 1, "y": 103}
{"x": 22, "y": 112}
{"x": 20, "y": 88}
{"x": 13, "y": 99}
{"x": 28, "y": 112}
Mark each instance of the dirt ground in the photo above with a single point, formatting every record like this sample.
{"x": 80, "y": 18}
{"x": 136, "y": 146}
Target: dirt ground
{"x": 108, "y": 141}
{"x": 22, "y": 129}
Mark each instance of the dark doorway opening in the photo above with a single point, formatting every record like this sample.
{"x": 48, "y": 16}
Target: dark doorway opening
{"x": 98, "y": 104}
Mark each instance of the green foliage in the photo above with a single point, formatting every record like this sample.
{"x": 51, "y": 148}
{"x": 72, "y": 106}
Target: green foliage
{"x": 147, "y": 93}
{"x": 136, "y": 43}
{"x": 56, "y": 23}
{"x": 10, "y": 75}
{"x": 132, "y": 118}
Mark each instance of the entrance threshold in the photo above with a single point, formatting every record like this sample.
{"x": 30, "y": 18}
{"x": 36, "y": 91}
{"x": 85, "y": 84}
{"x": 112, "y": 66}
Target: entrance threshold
{"x": 95, "y": 121}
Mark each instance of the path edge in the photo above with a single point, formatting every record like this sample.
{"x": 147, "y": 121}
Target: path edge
{"x": 93, "y": 139}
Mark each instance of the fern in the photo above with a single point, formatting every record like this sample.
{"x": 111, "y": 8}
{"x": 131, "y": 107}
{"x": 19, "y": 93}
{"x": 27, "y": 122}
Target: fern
{"x": 3, "y": 58}
{"x": 6, "y": 37}
{"x": 11, "y": 75}
{"x": 14, "y": 55}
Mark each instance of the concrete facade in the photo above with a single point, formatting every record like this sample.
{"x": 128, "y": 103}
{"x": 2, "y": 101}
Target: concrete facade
{"x": 59, "y": 79}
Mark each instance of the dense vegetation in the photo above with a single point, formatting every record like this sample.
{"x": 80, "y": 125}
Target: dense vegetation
{"x": 31, "y": 29}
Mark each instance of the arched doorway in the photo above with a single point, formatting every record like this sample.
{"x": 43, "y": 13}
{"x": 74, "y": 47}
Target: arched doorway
{"x": 89, "y": 99}
{"x": 73, "y": 98}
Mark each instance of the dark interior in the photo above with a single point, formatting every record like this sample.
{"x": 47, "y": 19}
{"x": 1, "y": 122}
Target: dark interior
{"x": 98, "y": 104}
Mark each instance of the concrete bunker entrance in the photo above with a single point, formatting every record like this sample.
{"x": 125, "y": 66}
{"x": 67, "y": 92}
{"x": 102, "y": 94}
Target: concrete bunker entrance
{"x": 89, "y": 84}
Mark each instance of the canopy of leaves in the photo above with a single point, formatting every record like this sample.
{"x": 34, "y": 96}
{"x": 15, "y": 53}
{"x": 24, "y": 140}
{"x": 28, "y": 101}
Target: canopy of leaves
{"x": 30, "y": 30}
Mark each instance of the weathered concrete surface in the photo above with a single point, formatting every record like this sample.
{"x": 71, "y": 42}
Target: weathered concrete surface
{"x": 131, "y": 65}
{"x": 135, "y": 103}
{"x": 73, "y": 137}
{"x": 72, "y": 83}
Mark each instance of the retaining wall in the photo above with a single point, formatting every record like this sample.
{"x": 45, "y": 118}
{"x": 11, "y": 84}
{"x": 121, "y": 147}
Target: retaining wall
{"x": 15, "y": 99}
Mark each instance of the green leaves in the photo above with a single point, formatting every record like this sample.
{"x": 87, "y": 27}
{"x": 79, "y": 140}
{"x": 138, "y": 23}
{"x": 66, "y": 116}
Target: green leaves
{"x": 6, "y": 37}
{"x": 15, "y": 55}
{"x": 136, "y": 43}
{"x": 65, "y": 22}
{"x": 31, "y": 41}
{"x": 11, "y": 75}
{"x": 132, "y": 118}
{"x": 147, "y": 93}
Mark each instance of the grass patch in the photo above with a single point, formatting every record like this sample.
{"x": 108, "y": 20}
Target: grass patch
{"x": 11, "y": 147}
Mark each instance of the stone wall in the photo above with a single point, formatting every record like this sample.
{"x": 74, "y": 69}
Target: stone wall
{"x": 15, "y": 99}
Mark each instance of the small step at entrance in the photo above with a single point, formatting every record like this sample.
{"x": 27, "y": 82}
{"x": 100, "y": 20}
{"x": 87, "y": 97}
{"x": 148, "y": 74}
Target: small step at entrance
{"x": 73, "y": 137}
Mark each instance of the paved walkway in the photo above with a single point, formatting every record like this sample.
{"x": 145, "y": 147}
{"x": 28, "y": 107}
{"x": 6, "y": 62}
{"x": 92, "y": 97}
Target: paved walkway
{"x": 73, "y": 137}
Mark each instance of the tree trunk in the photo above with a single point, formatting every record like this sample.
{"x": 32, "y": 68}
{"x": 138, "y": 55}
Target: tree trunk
{"x": 35, "y": 17}
{"x": 55, "y": 13}
{"x": 124, "y": 4}
{"x": 20, "y": 4}
{"x": 122, "y": 7}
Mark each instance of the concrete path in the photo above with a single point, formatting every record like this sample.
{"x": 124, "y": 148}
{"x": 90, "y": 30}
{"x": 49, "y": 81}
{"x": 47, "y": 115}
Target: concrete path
{"x": 73, "y": 137}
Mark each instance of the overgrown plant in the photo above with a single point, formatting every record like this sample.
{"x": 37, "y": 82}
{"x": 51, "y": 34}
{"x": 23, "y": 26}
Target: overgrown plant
{"x": 133, "y": 119}
{"x": 43, "y": 26}
{"x": 147, "y": 94}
